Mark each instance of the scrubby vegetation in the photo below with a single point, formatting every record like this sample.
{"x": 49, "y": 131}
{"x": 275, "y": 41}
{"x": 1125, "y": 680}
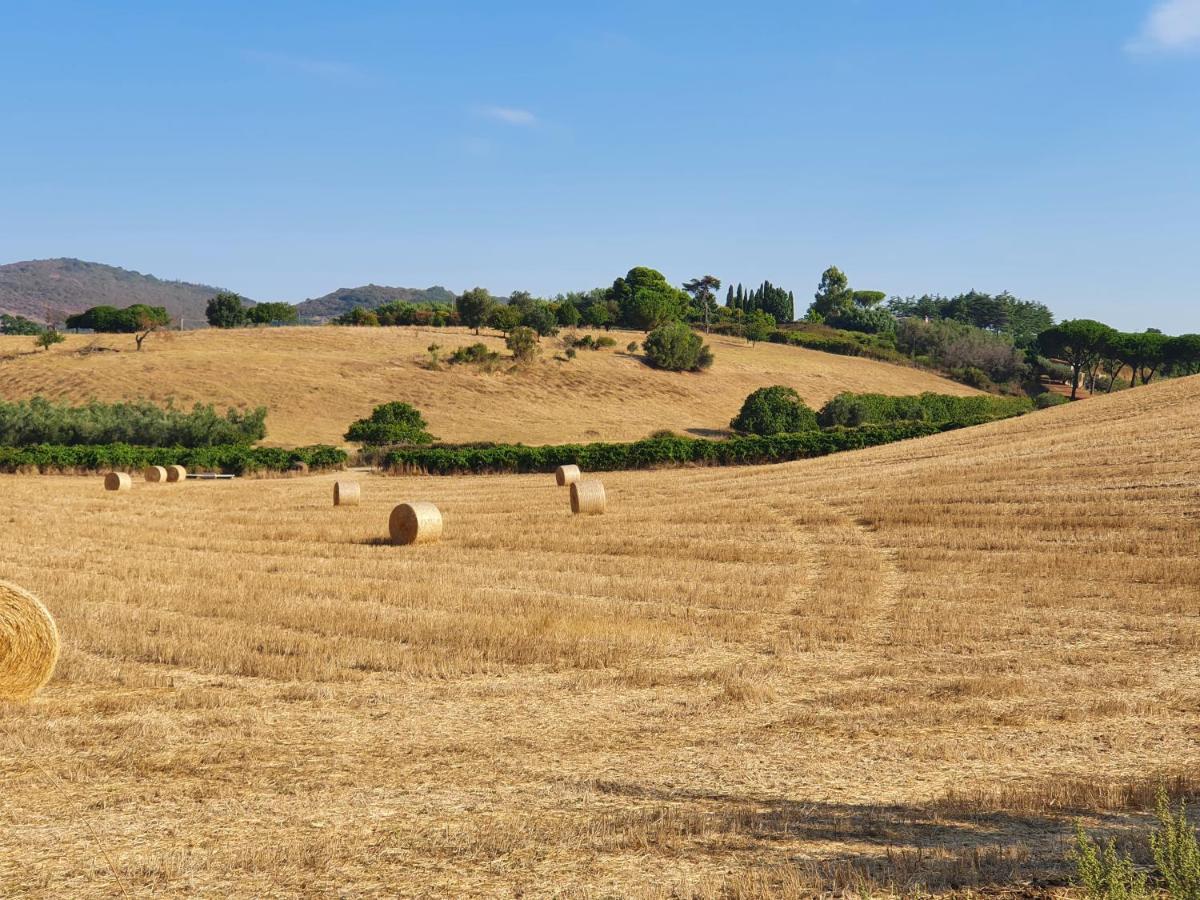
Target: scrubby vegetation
{"x": 474, "y": 354}
{"x": 1104, "y": 872}
{"x": 41, "y": 421}
{"x": 774, "y": 410}
{"x": 391, "y": 423}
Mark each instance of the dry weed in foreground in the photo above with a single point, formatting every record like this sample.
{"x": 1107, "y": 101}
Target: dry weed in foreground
{"x": 902, "y": 669}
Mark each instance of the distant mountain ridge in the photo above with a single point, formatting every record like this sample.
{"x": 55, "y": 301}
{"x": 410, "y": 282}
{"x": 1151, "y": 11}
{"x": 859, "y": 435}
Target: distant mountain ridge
{"x": 51, "y": 289}
{"x": 369, "y": 296}
{"x": 42, "y": 289}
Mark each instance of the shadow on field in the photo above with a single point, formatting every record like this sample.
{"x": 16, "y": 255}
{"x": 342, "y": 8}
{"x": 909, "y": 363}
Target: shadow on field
{"x": 944, "y": 845}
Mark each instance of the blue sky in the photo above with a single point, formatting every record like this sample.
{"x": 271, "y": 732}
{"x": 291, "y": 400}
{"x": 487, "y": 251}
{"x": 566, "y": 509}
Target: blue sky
{"x": 1051, "y": 149}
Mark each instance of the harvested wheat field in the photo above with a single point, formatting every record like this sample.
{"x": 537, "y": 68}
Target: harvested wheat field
{"x": 316, "y": 381}
{"x": 911, "y": 665}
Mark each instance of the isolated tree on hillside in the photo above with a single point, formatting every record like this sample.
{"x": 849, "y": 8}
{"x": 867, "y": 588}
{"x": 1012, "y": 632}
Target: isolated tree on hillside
{"x": 225, "y": 310}
{"x": 48, "y": 339}
{"x": 473, "y": 307}
{"x": 147, "y": 320}
{"x": 833, "y": 294}
{"x": 704, "y": 293}
{"x": 1079, "y": 343}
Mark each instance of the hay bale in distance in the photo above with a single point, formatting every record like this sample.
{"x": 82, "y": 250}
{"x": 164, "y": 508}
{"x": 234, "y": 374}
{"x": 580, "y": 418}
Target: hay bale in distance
{"x": 176, "y": 473}
{"x": 117, "y": 481}
{"x": 565, "y": 475}
{"x": 415, "y": 523}
{"x": 154, "y": 473}
{"x": 587, "y": 498}
{"x": 28, "y": 643}
{"x": 346, "y": 493}
{"x": 300, "y": 467}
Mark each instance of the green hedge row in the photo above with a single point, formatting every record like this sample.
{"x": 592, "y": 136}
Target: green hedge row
{"x": 852, "y": 410}
{"x": 232, "y": 459}
{"x": 655, "y": 452}
{"x": 843, "y": 343}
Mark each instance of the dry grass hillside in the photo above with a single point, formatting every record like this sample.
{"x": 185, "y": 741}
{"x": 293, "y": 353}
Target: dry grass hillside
{"x": 315, "y": 381}
{"x": 907, "y": 665}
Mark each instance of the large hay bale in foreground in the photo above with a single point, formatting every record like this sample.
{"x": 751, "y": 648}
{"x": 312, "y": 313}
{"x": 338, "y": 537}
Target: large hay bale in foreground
{"x": 154, "y": 473}
{"x": 564, "y": 475}
{"x": 415, "y": 523}
{"x": 176, "y": 473}
{"x": 117, "y": 481}
{"x": 28, "y": 643}
{"x": 587, "y": 498}
{"x": 346, "y": 493}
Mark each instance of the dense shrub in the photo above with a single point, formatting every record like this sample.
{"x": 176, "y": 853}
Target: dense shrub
{"x": 391, "y": 423}
{"x": 654, "y": 452}
{"x": 852, "y": 410}
{"x": 475, "y": 353}
{"x": 41, "y": 421}
{"x": 774, "y": 410}
{"x": 523, "y": 342}
{"x": 868, "y": 320}
{"x": 234, "y": 459}
{"x": 1047, "y": 400}
{"x": 677, "y": 348}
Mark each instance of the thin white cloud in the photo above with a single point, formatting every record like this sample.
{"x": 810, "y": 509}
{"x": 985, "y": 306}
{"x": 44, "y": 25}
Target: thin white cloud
{"x": 317, "y": 68}
{"x": 509, "y": 115}
{"x": 1171, "y": 26}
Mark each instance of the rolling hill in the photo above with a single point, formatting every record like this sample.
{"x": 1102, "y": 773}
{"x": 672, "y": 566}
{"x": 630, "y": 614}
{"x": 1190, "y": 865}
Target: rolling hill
{"x": 316, "y": 380}
{"x": 889, "y": 672}
{"x": 43, "y": 288}
{"x": 369, "y": 296}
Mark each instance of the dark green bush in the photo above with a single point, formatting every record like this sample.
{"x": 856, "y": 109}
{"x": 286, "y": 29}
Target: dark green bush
{"x": 852, "y": 410}
{"x": 391, "y": 423}
{"x": 774, "y": 410}
{"x": 1048, "y": 399}
{"x": 677, "y": 348}
{"x": 236, "y": 459}
{"x": 41, "y": 421}
{"x": 475, "y": 353}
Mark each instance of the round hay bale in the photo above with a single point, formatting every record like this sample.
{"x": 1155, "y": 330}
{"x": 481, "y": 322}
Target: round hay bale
{"x": 346, "y": 493}
{"x": 176, "y": 473}
{"x": 117, "y": 481}
{"x": 300, "y": 467}
{"x": 564, "y": 475}
{"x": 154, "y": 473}
{"x": 587, "y": 498}
{"x": 415, "y": 523}
{"x": 28, "y": 643}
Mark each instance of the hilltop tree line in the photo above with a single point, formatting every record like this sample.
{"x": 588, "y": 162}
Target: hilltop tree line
{"x": 1098, "y": 355}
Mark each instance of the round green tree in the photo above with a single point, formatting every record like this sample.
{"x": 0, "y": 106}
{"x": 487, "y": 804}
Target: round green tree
{"x": 774, "y": 410}
{"x": 677, "y": 348}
